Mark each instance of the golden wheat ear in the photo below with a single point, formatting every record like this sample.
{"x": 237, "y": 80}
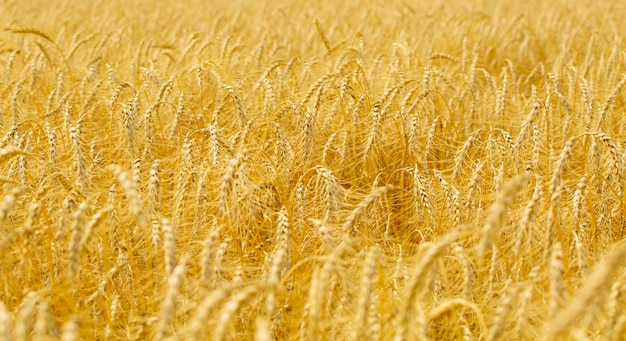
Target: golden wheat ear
{"x": 29, "y": 30}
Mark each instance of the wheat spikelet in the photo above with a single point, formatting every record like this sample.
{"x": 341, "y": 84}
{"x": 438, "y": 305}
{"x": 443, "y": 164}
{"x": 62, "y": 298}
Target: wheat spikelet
{"x": 89, "y": 101}
{"x": 178, "y": 116}
{"x": 42, "y": 321}
{"x": 496, "y": 330}
{"x": 219, "y": 259}
{"x": 328, "y": 146}
{"x": 619, "y": 328}
{"x": 521, "y": 328}
{"x": 137, "y": 172}
{"x": 147, "y": 127}
{"x": 431, "y": 136}
{"x": 25, "y": 316}
{"x": 270, "y": 98}
{"x": 238, "y": 104}
{"x": 529, "y": 122}
{"x": 320, "y": 279}
{"x": 169, "y": 246}
{"x": 449, "y": 306}
{"x": 208, "y": 255}
{"x": 262, "y": 330}
{"x": 79, "y": 160}
{"x": 375, "y": 135}
{"x": 230, "y": 308}
{"x": 358, "y": 211}
{"x": 581, "y": 254}
{"x": 132, "y": 195}
{"x": 71, "y": 329}
{"x": 9, "y": 65}
{"x": 330, "y": 185}
{"x": 29, "y": 30}
{"x": 117, "y": 92}
{"x": 587, "y": 96}
{"x": 474, "y": 186}
{"x": 501, "y": 96}
{"x": 217, "y": 143}
{"x": 413, "y": 136}
{"x": 129, "y": 116}
{"x": 365, "y": 296}
{"x": 182, "y": 182}
{"x": 324, "y": 232}
{"x": 5, "y": 323}
{"x": 421, "y": 194}
{"x": 153, "y": 188}
{"x": 278, "y": 262}
{"x": 198, "y": 321}
{"x": 9, "y": 152}
{"x": 76, "y": 238}
{"x": 462, "y": 153}
{"x": 413, "y": 288}
{"x": 113, "y": 314}
{"x": 10, "y": 201}
{"x": 497, "y": 211}
{"x": 529, "y": 216}
{"x": 610, "y": 101}
{"x": 307, "y": 135}
{"x": 452, "y": 197}
{"x": 356, "y": 111}
{"x": 201, "y": 201}
{"x": 494, "y": 269}
{"x": 614, "y": 309}
{"x": 14, "y": 98}
{"x": 557, "y": 271}
{"x": 579, "y": 196}
{"x": 228, "y": 181}
{"x": 556, "y": 191}
{"x": 468, "y": 271}
{"x": 169, "y": 303}
{"x": 537, "y": 146}
{"x": 583, "y": 302}
{"x": 617, "y": 165}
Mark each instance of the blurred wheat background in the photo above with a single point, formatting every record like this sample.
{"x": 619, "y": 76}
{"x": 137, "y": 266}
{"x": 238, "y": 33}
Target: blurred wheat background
{"x": 389, "y": 170}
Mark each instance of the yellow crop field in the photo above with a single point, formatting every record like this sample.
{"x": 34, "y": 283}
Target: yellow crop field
{"x": 333, "y": 170}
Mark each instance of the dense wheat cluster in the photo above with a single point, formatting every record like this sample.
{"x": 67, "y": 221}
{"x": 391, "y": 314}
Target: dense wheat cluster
{"x": 291, "y": 171}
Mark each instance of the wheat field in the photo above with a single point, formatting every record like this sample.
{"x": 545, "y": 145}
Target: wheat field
{"x": 394, "y": 170}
